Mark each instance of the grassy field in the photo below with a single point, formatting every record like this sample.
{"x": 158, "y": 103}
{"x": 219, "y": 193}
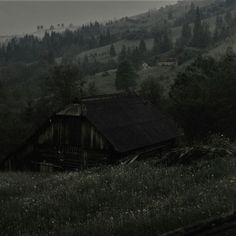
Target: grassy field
{"x": 220, "y": 50}
{"x": 102, "y": 54}
{"x": 105, "y": 82}
{"x": 140, "y": 199}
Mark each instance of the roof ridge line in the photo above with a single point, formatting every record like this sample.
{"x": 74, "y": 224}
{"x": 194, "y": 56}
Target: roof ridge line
{"x": 107, "y": 96}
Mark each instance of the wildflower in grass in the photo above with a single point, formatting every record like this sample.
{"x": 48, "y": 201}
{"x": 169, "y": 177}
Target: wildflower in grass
{"x": 111, "y": 219}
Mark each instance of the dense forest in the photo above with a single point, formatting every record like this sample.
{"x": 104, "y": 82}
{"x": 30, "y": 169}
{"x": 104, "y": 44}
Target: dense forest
{"x": 39, "y": 76}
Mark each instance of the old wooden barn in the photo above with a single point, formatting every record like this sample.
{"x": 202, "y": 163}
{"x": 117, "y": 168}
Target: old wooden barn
{"x": 96, "y": 130}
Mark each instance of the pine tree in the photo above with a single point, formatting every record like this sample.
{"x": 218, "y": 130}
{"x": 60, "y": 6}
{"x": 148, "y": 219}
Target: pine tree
{"x": 108, "y": 37}
{"x": 156, "y": 45}
{"x": 230, "y": 2}
{"x": 201, "y": 32}
{"x": 206, "y": 37}
{"x": 151, "y": 89}
{"x": 197, "y": 29}
{"x": 136, "y": 58}
{"x": 63, "y": 81}
{"x": 192, "y": 8}
{"x": 216, "y": 35}
{"x": 85, "y": 64}
{"x": 166, "y": 42}
{"x": 229, "y": 18}
{"x": 112, "y": 51}
{"x": 125, "y": 76}
{"x": 142, "y": 47}
{"x": 129, "y": 53}
{"x": 186, "y": 34}
{"x": 123, "y": 54}
{"x": 219, "y": 22}
{"x": 162, "y": 42}
{"x": 191, "y": 13}
{"x": 92, "y": 89}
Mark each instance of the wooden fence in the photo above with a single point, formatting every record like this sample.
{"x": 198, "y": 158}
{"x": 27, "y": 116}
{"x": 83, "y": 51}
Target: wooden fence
{"x": 220, "y": 226}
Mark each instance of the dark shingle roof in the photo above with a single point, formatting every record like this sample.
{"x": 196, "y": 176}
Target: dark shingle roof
{"x": 127, "y": 122}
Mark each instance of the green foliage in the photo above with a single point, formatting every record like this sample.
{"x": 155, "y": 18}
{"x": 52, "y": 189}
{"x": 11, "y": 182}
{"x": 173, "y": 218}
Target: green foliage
{"x": 151, "y": 89}
{"x": 142, "y": 47}
{"x": 139, "y": 199}
{"x": 92, "y": 89}
{"x": 185, "y": 38}
{"x": 225, "y": 27}
{"x": 220, "y": 141}
{"x": 65, "y": 83}
{"x": 105, "y": 38}
{"x": 201, "y": 34}
{"x": 112, "y": 51}
{"x": 125, "y": 76}
{"x": 137, "y": 57}
{"x": 55, "y": 44}
{"x": 188, "y": 17}
{"x": 204, "y": 97}
{"x": 186, "y": 34}
{"x": 162, "y": 41}
{"x": 20, "y": 99}
{"x": 214, "y": 147}
{"x": 229, "y": 18}
{"x": 229, "y": 2}
{"x": 187, "y": 54}
{"x": 123, "y": 54}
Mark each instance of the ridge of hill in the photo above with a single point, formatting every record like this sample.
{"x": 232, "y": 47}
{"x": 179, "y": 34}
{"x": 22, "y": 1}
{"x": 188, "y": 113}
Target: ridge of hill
{"x": 26, "y": 95}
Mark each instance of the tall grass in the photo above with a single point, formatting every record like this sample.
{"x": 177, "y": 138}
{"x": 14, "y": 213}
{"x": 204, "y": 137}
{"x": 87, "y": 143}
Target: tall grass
{"x": 140, "y": 199}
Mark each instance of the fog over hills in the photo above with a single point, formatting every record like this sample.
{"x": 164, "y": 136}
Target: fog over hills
{"x": 17, "y": 17}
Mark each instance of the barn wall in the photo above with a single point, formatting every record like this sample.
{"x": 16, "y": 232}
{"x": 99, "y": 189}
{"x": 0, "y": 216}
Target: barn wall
{"x": 62, "y": 131}
{"x": 92, "y": 138}
{"x": 72, "y": 142}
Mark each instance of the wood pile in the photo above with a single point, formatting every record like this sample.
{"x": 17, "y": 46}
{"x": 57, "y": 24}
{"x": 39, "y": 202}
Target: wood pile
{"x": 187, "y": 155}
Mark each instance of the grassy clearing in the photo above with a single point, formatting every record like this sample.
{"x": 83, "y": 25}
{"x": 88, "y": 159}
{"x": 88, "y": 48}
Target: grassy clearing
{"x": 141, "y": 199}
{"x": 105, "y": 84}
{"x": 221, "y": 49}
{"x": 102, "y": 54}
{"x": 165, "y": 76}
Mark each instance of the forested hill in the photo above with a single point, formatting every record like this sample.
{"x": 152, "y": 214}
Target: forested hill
{"x": 150, "y": 25}
{"x": 38, "y": 76}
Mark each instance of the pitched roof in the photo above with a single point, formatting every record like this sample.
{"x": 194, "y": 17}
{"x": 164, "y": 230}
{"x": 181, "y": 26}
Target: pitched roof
{"x": 127, "y": 122}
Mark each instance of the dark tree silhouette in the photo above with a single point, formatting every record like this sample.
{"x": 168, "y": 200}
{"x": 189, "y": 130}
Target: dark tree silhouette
{"x": 112, "y": 51}
{"x": 125, "y": 76}
{"x": 142, "y": 47}
{"x": 123, "y": 54}
{"x": 65, "y": 83}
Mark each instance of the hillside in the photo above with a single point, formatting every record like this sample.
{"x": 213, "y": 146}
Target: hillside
{"x": 138, "y": 199}
{"x": 132, "y": 29}
{"x": 27, "y": 92}
{"x": 105, "y": 81}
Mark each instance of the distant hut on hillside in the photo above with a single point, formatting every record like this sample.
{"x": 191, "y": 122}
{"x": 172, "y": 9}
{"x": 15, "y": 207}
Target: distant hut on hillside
{"x": 167, "y": 62}
{"x": 102, "y": 129}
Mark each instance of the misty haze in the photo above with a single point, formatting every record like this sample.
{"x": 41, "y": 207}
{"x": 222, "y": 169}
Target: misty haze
{"x": 23, "y": 17}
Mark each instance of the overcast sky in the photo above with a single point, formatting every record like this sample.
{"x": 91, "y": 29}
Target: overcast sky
{"x": 86, "y": 0}
{"x": 19, "y": 16}
{"x": 77, "y": 0}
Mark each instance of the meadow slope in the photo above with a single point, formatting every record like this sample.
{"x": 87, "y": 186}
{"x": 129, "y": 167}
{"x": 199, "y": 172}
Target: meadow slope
{"x": 140, "y": 199}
